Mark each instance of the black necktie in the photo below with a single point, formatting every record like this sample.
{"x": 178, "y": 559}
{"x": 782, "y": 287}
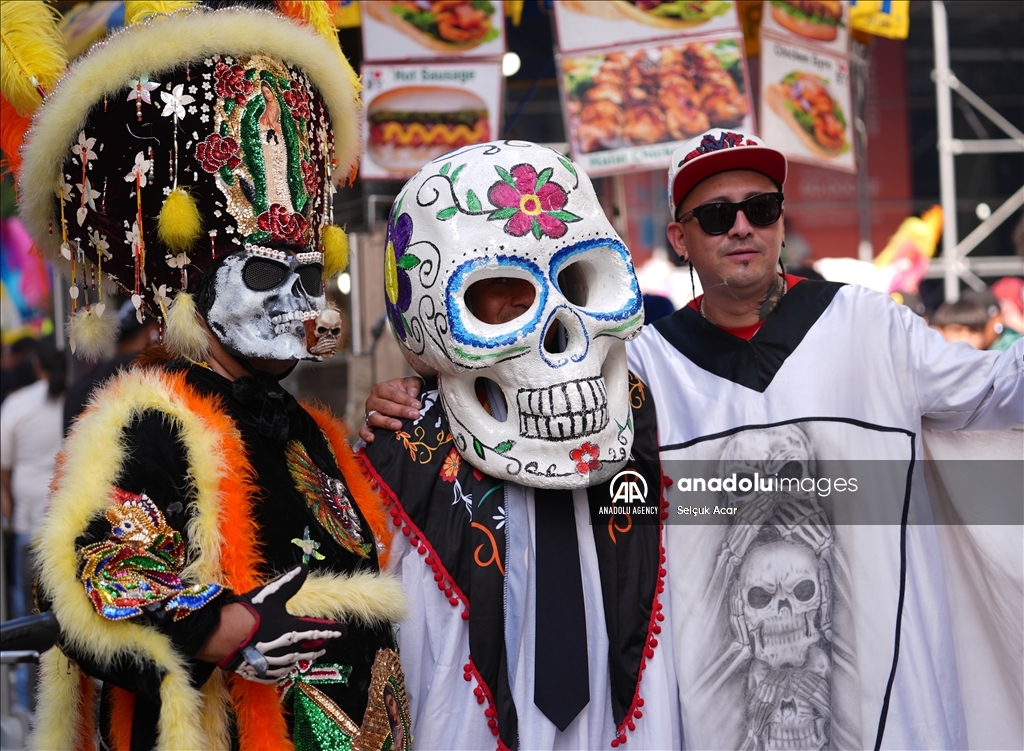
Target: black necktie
{"x": 562, "y": 683}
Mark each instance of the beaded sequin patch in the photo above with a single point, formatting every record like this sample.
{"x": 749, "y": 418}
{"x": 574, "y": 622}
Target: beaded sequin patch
{"x": 139, "y": 565}
{"x": 328, "y": 499}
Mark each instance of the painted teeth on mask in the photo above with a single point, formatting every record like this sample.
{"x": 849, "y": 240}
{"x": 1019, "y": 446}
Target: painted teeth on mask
{"x": 280, "y": 322}
{"x": 564, "y": 411}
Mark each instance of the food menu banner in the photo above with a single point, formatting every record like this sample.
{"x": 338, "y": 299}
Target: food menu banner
{"x": 824, "y": 24}
{"x": 430, "y": 29}
{"x": 629, "y": 108}
{"x": 806, "y": 105}
{"x": 586, "y": 24}
{"x": 416, "y": 112}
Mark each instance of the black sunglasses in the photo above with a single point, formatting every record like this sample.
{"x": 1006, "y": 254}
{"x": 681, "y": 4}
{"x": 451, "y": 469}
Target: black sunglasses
{"x": 262, "y": 274}
{"x": 761, "y": 210}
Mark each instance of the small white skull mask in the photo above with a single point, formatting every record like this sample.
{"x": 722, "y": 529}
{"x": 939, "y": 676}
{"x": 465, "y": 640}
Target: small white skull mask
{"x": 262, "y": 299}
{"x": 515, "y": 211}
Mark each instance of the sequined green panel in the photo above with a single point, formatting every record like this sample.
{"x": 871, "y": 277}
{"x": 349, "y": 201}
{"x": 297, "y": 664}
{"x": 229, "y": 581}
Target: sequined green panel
{"x": 314, "y": 729}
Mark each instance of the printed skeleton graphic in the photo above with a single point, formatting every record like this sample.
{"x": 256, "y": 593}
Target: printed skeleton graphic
{"x": 788, "y": 708}
{"x": 775, "y": 568}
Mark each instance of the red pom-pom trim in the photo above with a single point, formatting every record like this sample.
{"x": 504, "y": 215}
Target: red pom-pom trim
{"x": 445, "y": 583}
{"x": 634, "y": 713}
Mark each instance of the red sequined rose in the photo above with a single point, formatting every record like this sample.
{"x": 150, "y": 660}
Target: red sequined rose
{"x": 282, "y": 224}
{"x": 217, "y": 151}
{"x": 298, "y": 102}
{"x": 232, "y": 83}
{"x": 309, "y": 176}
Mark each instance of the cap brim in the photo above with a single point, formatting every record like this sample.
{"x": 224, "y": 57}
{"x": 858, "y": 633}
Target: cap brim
{"x": 761, "y": 159}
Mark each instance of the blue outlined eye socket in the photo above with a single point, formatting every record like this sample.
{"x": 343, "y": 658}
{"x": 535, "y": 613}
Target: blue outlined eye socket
{"x": 597, "y": 276}
{"x": 469, "y": 330}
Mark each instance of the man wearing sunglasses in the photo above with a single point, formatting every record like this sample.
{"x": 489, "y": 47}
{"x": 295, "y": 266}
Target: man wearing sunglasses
{"x": 812, "y": 613}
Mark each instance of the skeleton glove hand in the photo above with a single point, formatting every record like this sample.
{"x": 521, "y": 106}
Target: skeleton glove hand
{"x": 279, "y": 639}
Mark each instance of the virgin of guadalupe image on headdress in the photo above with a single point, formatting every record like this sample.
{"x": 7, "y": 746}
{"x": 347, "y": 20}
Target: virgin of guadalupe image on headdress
{"x": 272, "y": 184}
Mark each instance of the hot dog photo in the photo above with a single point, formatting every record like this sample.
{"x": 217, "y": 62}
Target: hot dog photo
{"x": 409, "y": 126}
{"x": 416, "y": 112}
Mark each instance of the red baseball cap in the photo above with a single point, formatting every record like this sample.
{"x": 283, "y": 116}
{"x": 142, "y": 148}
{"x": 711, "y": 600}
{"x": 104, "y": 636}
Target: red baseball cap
{"x": 719, "y": 150}
{"x": 1010, "y": 288}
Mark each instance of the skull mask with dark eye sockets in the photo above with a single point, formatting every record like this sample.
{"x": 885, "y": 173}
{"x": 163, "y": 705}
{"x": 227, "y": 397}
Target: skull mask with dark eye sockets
{"x": 261, "y": 302}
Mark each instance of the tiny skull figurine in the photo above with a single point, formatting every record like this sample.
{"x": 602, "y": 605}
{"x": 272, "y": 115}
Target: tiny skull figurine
{"x": 324, "y": 333}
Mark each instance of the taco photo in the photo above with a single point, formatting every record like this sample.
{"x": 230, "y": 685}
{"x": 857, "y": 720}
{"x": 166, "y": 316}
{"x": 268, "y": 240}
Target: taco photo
{"x": 802, "y": 101}
{"x": 448, "y": 26}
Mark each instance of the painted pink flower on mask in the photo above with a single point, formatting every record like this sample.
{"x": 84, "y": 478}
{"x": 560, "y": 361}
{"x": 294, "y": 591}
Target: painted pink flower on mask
{"x": 530, "y": 202}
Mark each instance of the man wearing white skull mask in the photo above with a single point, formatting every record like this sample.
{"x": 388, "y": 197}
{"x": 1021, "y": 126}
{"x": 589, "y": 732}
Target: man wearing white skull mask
{"x": 507, "y": 286}
{"x": 890, "y": 625}
{"x": 211, "y": 551}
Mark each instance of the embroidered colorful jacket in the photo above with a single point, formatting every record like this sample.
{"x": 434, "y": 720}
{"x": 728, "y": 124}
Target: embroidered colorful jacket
{"x": 176, "y": 488}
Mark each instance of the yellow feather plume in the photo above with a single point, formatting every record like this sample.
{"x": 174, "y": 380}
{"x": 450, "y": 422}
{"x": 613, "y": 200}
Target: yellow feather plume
{"x": 136, "y": 11}
{"x": 179, "y": 223}
{"x": 32, "y": 53}
{"x": 183, "y": 333}
{"x": 335, "y": 247}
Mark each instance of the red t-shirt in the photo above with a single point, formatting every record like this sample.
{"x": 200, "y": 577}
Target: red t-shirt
{"x": 746, "y": 332}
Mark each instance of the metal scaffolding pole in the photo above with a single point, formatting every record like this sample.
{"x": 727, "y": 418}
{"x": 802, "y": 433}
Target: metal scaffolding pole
{"x": 955, "y": 264}
{"x": 947, "y": 172}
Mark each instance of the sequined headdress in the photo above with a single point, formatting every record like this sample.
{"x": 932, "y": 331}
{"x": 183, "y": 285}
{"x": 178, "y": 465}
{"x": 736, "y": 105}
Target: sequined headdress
{"x": 183, "y": 138}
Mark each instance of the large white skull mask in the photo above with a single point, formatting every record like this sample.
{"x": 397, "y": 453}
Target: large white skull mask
{"x": 262, "y": 300}
{"x": 522, "y": 211}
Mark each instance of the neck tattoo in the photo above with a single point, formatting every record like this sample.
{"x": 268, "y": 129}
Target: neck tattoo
{"x": 772, "y": 299}
{"x": 767, "y": 305}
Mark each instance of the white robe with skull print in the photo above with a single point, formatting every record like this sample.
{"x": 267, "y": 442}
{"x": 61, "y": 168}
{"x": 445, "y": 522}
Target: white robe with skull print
{"x": 843, "y": 620}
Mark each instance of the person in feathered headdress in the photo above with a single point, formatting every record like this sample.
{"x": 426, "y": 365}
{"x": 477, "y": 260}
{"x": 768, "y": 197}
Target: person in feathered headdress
{"x": 190, "y": 160}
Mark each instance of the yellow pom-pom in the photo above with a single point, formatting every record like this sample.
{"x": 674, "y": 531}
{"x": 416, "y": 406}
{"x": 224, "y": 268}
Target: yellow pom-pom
{"x": 179, "y": 224}
{"x": 183, "y": 333}
{"x": 136, "y": 11}
{"x": 335, "y": 243}
{"x": 93, "y": 334}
